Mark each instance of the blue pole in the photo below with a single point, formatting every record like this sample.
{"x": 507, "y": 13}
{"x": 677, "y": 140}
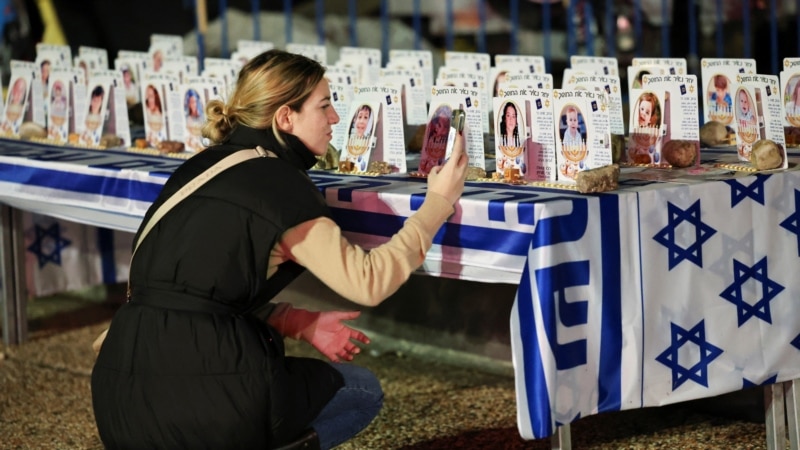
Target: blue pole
{"x": 514, "y": 26}
{"x": 223, "y": 17}
{"x": 746, "y": 27}
{"x": 720, "y": 43}
{"x": 385, "y": 31}
{"x": 665, "y": 28}
{"x": 320, "y": 20}
{"x": 637, "y": 27}
{"x": 287, "y": 15}
{"x": 571, "y": 44}
{"x": 773, "y": 21}
{"x": 611, "y": 43}
{"x": 201, "y": 32}
{"x": 588, "y": 16}
{"x": 351, "y": 12}
{"x": 448, "y": 39}
{"x": 417, "y": 19}
{"x": 255, "y": 7}
{"x": 547, "y": 53}
{"x": 482, "y": 26}
{"x": 693, "y": 29}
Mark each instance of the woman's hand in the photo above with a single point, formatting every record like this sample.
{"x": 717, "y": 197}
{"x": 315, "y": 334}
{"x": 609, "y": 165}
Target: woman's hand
{"x": 333, "y": 338}
{"x": 448, "y": 180}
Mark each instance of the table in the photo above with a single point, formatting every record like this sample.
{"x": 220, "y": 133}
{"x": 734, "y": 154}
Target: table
{"x": 675, "y": 287}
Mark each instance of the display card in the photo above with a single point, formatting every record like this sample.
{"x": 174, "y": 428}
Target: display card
{"x": 444, "y": 100}
{"x": 601, "y": 65}
{"x": 530, "y": 63}
{"x": 362, "y": 120}
{"x": 410, "y": 59}
{"x": 156, "y": 87}
{"x": 98, "y": 55}
{"x": 469, "y": 78}
{"x": 366, "y": 60}
{"x": 249, "y": 49}
{"x": 645, "y": 126}
{"x": 413, "y": 88}
{"x": 759, "y": 114}
{"x": 718, "y": 78}
{"x": 341, "y": 96}
{"x": 532, "y": 80}
{"x": 611, "y": 86}
{"x": 60, "y": 118}
{"x": 226, "y": 69}
{"x": 583, "y": 135}
{"x": 106, "y": 111}
{"x": 790, "y": 90}
{"x": 19, "y": 90}
{"x": 197, "y": 92}
{"x": 681, "y": 109}
{"x": 318, "y": 53}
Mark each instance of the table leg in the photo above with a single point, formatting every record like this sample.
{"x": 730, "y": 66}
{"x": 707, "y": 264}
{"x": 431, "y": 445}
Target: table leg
{"x": 13, "y": 291}
{"x": 561, "y": 439}
{"x": 792, "y": 394}
{"x": 775, "y": 416}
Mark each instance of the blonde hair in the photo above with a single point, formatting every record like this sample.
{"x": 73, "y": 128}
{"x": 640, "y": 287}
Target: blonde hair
{"x": 267, "y": 82}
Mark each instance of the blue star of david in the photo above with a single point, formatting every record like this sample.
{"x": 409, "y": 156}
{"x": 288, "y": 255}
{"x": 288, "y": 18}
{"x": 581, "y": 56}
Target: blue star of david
{"x": 666, "y": 237}
{"x": 47, "y": 244}
{"x": 796, "y": 342}
{"x": 792, "y": 223}
{"x": 769, "y": 289}
{"x": 755, "y": 191}
{"x": 748, "y": 384}
{"x": 697, "y": 372}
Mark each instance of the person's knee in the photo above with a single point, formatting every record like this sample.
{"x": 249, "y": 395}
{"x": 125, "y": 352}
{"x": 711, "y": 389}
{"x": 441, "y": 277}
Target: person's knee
{"x": 369, "y": 387}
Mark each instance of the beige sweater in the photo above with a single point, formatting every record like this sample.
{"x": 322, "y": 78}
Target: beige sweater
{"x": 364, "y": 277}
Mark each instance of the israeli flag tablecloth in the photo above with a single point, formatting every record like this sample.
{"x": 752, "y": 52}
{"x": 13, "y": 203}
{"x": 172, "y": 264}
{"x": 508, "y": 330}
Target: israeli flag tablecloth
{"x": 656, "y": 296}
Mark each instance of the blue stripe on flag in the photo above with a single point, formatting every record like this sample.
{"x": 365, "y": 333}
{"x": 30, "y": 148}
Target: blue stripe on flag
{"x": 610, "y": 388}
{"x": 538, "y": 398}
{"x": 77, "y": 182}
{"x": 451, "y": 234}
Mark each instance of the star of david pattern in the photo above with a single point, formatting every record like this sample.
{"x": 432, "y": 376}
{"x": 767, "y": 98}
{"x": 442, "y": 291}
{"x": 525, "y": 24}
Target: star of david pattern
{"x": 48, "y": 244}
{"x": 754, "y": 191}
{"x": 734, "y": 294}
{"x": 697, "y": 371}
{"x": 666, "y": 236}
{"x": 792, "y": 223}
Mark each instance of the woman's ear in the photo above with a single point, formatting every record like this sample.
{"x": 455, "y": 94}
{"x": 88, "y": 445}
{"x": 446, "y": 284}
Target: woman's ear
{"x": 283, "y": 118}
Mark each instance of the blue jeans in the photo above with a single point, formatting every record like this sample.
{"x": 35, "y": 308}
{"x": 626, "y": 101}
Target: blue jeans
{"x": 351, "y": 409}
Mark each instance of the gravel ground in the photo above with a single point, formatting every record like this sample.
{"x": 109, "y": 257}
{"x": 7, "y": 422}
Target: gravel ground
{"x": 45, "y": 402}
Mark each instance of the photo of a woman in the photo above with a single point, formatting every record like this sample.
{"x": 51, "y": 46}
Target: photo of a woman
{"x": 193, "y": 111}
{"x": 15, "y": 106}
{"x": 94, "y": 117}
{"x": 510, "y": 136}
{"x": 154, "y": 116}
{"x": 57, "y": 126}
{"x": 435, "y": 143}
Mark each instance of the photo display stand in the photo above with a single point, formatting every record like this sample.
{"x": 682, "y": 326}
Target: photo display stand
{"x": 341, "y": 97}
{"x": 524, "y": 63}
{"x": 512, "y": 134}
{"x": 196, "y": 93}
{"x": 155, "y": 88}
{"x": 19, "y": 92}
{"x": 645, "y": 127}
{"x": 360, "y": 140}
{"x": 412, "y": 85}
{"x": 106, "y": 111}
{"x": 600, "y": 65}
{"x": 790, "y": 90}
{"x": 531, "y": 80}
{"x": 444, "y": 100}
{"x": 60, "y": 115}
{"x": 762, "y": 117}
{"x": 469, "y": 78}
{"x": 680, "y": 109}
{"x": 583, "y": 134}
{"x": 318, "y": 53}
{"x": 719, "y": 83}
{"x": 366, "y": 60}
{"x": 414, "y": 59}
{"x": 604, "y": 83}
{"x": 225, "y": 69}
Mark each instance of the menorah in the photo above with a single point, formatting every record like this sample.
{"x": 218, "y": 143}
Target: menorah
{"x": 357, "y": 145}
{"x": 793, "y": 119}
{"x": 720, "y": 113}
{"x": 512, "y": 151}
{"x": 748, "y": 131}
{"x": 93, "y": 121}
{"x": 575, "y": 152}
{"x": 645, "y": 136}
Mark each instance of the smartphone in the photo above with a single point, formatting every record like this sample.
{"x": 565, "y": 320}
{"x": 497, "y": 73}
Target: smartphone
{"x": 457, "y": 120}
